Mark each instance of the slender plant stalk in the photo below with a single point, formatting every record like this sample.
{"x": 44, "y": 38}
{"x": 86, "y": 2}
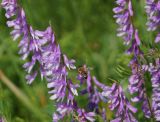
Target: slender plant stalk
{"x": 22, "y": 97}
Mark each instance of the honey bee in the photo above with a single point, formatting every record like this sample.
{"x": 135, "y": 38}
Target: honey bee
{"x": 137, "y": 68}
{"x": 83, "y": 71}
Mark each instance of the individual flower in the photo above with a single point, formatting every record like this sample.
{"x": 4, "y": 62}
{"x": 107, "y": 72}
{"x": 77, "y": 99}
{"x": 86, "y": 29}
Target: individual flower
{"x": 135, "y": 49}
{"x": 69, "y": 63}
{"x": 153, "y": 14}
{"x": 104, "y": 115}
{"x": 155, "y": 79}
{"x": 102, "y": 87}
{"x": 84, "y": 116}
{"x": 118, "y": 102}
{"x": 123, "y": 14}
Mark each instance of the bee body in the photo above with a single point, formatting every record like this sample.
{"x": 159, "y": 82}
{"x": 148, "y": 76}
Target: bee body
{"x": 83, "y": 71}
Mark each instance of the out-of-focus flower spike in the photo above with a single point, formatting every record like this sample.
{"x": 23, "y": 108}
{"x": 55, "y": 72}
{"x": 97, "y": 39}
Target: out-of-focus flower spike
{"x": 153, "y": 12}
{"x": 136, "y": 85}
{"x": 154, "y": 70}
{"x": 123, "y": 13}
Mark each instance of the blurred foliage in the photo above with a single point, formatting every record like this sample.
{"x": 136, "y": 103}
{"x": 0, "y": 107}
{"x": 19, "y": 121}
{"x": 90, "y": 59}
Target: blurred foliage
{"x": 86, "y": 32}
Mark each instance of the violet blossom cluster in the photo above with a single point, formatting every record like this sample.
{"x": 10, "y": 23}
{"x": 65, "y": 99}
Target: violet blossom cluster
{"x": 123, "y": 14}
{"x": 98, "y": 92}
{"x": 136, "y": 80}
{"x": 113, "y": 95}
{"x": 137, "y": 86}
{"x": 154, "y": 69}
{"x": 78, "y": 114}
{"x": 44, "y": 51}
{"x": 93, "y": 90}
{"x": 153, "y": 14}
{"x": 93, "y": 93}
{"x": 119, "y": 103}
{"x": 153, "y": 23}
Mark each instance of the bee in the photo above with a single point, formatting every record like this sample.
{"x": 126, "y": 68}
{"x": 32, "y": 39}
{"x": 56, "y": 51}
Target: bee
{"x": 137, "y": 68}
{"x": 83, "y": 71}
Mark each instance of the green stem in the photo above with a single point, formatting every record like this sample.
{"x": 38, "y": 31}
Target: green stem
{"x": 22, "y": 97}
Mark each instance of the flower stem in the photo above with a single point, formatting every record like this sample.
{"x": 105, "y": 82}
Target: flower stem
{"x": 22, "y": 97}
{"x": 152, "y": 115}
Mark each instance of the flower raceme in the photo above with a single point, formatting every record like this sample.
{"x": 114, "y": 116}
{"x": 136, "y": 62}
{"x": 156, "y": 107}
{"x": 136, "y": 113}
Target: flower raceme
{"x": 153, "y": 13}
{"x": 42, "y": 47}
{"x": 119, "y": 103}
{"x": 123, "y": 14}
{"x": 44, "y": 51}
{"x": 154, "y": 69}
{"x": 137, "y": 85}
{"x": 153, "y": 23}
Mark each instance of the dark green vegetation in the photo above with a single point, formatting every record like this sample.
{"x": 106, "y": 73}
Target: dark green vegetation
{"x": 86, "y": 32}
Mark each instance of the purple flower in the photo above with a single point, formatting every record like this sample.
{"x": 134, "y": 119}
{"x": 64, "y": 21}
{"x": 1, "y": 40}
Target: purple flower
{"x": 69, "y": 63}
{"x": 10, "y": 6}
{"x": 94, "y": 99}
{"x": 118, "y": 102}
{"x": 84, "y": 116}
{"x": 31, "y": 41}
{"x": 153, "y": 13}
{"x": 123, "y": 13}
{"x": 44, "y": 51}
{"x": 135, "y": 45}
{"x": 92, "y": 89}
{"x": 2, "y": 119}
{"x": 78, "y": 114}
{"x": 137, "y": 85}
{"x": 62, "y": 110}
{"x": 155, "y": 74}
{"x": 104, "y": 115}
{"x": 94, "y": 94}
{"x": 102, "y": 87}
